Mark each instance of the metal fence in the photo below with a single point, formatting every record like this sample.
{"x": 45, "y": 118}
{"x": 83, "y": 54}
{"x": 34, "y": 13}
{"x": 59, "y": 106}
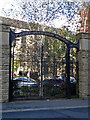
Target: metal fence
{"x": 38, "y": 71}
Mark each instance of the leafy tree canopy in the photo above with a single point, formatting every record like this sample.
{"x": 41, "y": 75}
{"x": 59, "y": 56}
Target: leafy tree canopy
{"x": 46, "y": 12}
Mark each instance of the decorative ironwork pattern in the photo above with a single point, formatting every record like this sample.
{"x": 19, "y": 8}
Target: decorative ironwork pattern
{"x": 24, "y": 33}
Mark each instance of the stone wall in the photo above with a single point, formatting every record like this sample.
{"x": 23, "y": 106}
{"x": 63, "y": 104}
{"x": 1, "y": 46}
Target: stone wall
{"x": 84, "y": 63}
{"x": 89, "y": 72}
{"x": 4, "y": 62}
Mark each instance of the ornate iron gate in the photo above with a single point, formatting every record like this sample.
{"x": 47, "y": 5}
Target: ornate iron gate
{"x": 47, "y": 82}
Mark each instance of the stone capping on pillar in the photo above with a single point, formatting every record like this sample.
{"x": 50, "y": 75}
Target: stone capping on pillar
{"x": 84, "y": 40}
{"x": 84, "y": 65}
{"x": 4, "y": 27}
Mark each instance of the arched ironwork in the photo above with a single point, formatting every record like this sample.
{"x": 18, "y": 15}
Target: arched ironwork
{"x": 14, "y": 35}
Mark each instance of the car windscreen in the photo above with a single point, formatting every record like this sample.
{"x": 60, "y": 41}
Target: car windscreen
{"x": 24, "y": 79}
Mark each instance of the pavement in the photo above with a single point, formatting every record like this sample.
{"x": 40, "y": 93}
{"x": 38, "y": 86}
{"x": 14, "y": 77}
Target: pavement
{"x": 31, "y": 105}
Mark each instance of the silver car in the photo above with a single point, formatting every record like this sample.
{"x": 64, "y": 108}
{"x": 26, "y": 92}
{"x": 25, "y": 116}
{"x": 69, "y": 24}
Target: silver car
{"x": 22, "y": 81}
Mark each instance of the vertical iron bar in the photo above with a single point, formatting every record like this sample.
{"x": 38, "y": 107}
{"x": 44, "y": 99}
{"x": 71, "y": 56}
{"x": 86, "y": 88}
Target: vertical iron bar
{"x": 77, "y": 75}
{"x": 68, "y": 91}
{"x": 13, "y": 62}
{"x": 54, "y": 67}
{"x": 10, "y": 82}
{"x": 41, "y": 84}
{"x": 72, "y": 68}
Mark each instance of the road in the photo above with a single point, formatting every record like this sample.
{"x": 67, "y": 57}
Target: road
{"x": 72, "y": 112}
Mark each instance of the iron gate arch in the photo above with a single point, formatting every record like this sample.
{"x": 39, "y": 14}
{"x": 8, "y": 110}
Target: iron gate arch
{"x": 68, "y": 43}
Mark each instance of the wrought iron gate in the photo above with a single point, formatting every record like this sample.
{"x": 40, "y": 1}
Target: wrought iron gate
{"x": 42, "y": 74}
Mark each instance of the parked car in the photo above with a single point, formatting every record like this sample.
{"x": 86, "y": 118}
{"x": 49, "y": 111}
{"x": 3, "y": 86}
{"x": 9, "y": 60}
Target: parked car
{"x": 72, "y": 80}
{"x": 14, "y": 75}
{"x": 22, "y": 81}
{"x": 53, "y": 82}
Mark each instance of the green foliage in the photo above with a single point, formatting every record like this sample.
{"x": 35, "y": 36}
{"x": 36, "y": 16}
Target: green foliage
{"x": 57, "y": 47}
{"x": 34, "y": 90}
{"x": 54, "y": 91}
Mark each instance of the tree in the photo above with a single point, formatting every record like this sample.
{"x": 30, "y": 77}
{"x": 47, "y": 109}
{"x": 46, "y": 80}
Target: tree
{"x": 55, "y": 50}
{"x": 44, "y": 11}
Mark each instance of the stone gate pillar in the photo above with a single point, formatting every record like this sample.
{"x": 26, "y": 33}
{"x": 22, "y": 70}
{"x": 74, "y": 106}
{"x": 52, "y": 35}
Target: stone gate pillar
{"x": 4, "y": 62}
{"x": 84, "y": 65}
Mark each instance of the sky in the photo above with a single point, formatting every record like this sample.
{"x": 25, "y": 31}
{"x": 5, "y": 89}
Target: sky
{"x": 3, "y": 3}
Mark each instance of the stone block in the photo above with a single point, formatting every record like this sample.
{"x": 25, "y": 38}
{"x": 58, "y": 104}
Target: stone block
{"x": 4, "y": 27}
{"x": 4, "y": 38}
{"x": 84, "y": 39}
